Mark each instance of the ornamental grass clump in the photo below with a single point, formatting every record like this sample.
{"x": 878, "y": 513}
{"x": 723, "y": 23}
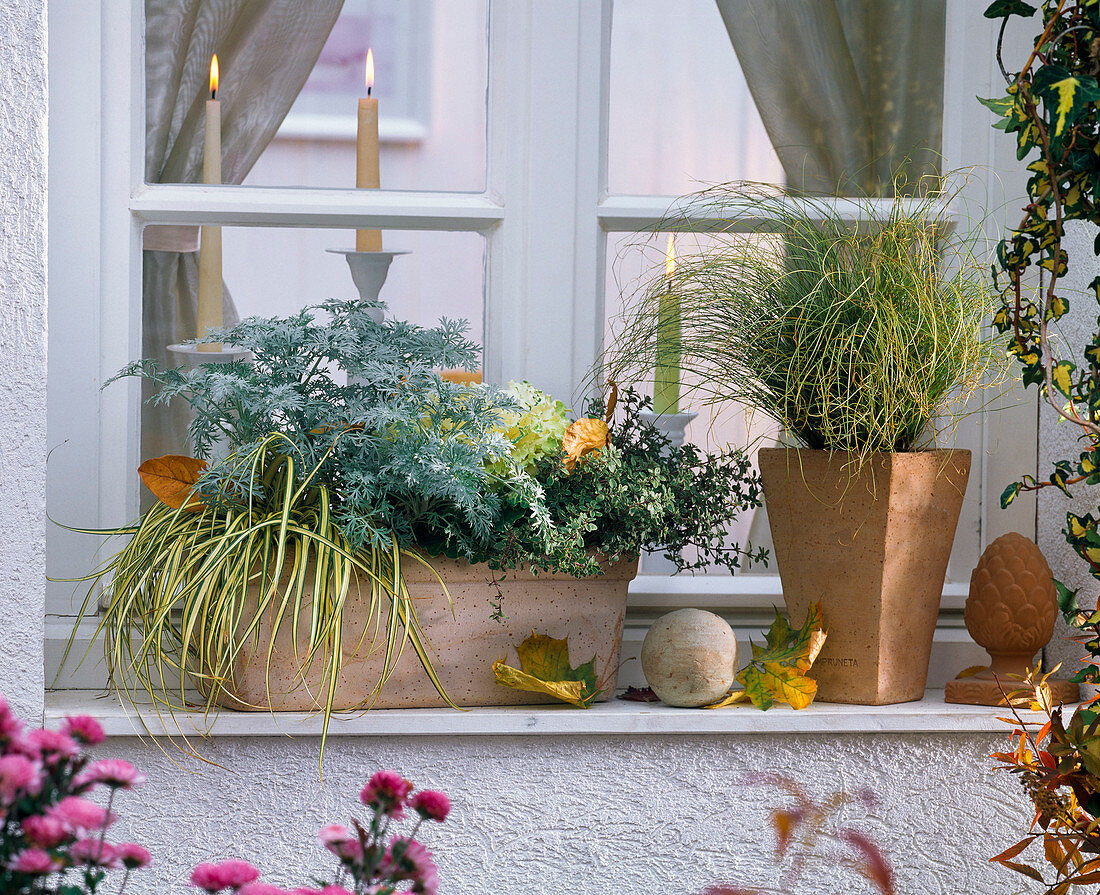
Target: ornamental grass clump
{"x": 853, "y": 338}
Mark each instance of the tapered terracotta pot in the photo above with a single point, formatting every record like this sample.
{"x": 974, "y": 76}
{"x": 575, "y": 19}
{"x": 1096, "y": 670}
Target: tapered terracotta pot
{"x": 463, "y": 645}
{"x": 873, "y": 546}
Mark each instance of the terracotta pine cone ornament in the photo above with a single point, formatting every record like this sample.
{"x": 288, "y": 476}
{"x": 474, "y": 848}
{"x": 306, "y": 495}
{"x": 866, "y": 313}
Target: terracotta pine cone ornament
{"x": 1010, "y": 611}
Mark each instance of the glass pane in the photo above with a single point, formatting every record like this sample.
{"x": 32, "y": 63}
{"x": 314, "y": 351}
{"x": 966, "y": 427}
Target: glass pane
{"x": 276, "y": 272}
{"x": 845, "y": 98}
{"x": 430, "y": 59}
{"x": 680, "y": 111}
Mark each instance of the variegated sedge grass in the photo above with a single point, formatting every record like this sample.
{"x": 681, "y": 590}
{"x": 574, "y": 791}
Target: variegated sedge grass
{"x": 178, "y": 595}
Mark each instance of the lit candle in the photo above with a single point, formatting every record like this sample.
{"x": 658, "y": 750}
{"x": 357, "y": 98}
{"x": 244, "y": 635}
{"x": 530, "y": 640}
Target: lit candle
{"x": 366, "y": 157}
{"x": 210, "y": 245}
{"x": 666, "y": 380}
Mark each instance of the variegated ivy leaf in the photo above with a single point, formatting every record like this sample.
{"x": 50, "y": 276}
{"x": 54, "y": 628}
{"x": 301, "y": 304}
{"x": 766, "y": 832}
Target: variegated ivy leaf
{"x": 1001, "y": 107}
{"x": 1060, "y": 475}
{"x": 1066, "y": 96}
{"x": 1062, "y": 377}
{"x": 1058, "y": 308}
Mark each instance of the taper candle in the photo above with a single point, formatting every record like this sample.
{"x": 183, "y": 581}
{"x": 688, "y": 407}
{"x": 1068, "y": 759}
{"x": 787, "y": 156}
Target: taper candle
{"x": 366, "y": 156}
{"x": 210, "y": 314}
{"x": 666, "y": 379}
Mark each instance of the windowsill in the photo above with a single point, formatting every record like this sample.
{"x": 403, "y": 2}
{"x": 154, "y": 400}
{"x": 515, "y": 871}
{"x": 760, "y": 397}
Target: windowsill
{"x": 929, "y": 715}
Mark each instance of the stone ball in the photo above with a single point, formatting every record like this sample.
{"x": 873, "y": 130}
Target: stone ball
{"x": 689, "y": 657}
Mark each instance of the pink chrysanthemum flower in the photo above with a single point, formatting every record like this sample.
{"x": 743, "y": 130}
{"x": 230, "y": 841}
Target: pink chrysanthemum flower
{"x": 51, "y": 746}
{"x": 132, "y": 855}
{"x": 45, "y": 832}
{"x": 408, "y": 859}
{"x": 231, "y": 874}
{"x": 342, "y": 842}
{"x": 261, "y": 888}
{"x": 33, "y": 862}
{"x": 386, "y": 792}
{"x": 10, "y": 726}
{"x": 80, "y": 814}
{"x": 114, "y": 772}
{"x": 93, "y": 851}
{"x": 84, "y": 729}
{"x": 336, "y": 890}
{"x": 431, "y": 804}
{"x": 19, "y": 776}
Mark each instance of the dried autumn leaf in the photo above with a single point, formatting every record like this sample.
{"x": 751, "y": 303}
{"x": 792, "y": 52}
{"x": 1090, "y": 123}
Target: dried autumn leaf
{"x": 544, "y": 668}
{"x": 971, "y": 670}
{"x": 612, "y": 400}
{"x": 581, "y": 438}
{"x": 639, "y": 694}
{"x": 778, "y": 668}
{"x": 731, "y": 698}
{"x": 572, "y": 692}
{"x": 1012, "y": 851}
{"x": 171, "y": 479}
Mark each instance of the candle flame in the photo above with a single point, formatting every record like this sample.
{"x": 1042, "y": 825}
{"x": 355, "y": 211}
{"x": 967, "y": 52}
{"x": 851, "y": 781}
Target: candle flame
{"x": 370, "y": 70}
{"x": 214, "y": 76}
{"x": 670, "y": 257}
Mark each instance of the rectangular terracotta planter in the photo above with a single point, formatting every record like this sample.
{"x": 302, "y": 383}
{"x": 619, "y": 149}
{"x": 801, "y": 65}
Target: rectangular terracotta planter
{"x": 463, "y": 646}
{"x": 872, "y": 545}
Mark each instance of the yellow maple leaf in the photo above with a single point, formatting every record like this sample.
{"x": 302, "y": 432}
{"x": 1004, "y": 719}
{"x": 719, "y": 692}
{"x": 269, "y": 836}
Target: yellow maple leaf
{"x": 568, "y": 691}
{"x": 731, "y": 698}
{"x": 545, "y": 668}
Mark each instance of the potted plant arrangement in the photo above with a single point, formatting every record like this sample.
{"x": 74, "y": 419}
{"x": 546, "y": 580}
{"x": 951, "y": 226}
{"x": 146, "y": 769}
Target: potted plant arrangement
{"x": 351, "y": 524}
{"x": 857, "y": 341}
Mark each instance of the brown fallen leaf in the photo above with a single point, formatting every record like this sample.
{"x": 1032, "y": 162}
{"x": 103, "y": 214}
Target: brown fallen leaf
{"x": 172, "y": 478}
{"x": 639, "y": 694}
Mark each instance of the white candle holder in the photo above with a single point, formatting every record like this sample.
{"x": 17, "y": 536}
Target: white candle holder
{"x": 674, "y": 427}
{"x": 368, "y": 271}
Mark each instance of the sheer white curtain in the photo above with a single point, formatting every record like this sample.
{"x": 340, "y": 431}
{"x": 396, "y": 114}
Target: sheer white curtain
{"x": 850, "y": 91}
{"x": 266, "y": 50}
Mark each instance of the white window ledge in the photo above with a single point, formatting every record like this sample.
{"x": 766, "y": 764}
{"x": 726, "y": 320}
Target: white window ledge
{"x": 617, "y": 717}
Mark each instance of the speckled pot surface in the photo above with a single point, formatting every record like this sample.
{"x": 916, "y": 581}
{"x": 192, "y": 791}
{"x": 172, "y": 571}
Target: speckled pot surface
{"x": 873, "y": 546}
{"x": 463, "y": 646}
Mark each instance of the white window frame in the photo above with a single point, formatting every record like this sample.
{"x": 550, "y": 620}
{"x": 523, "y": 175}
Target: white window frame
{"x": 545, "y": 213}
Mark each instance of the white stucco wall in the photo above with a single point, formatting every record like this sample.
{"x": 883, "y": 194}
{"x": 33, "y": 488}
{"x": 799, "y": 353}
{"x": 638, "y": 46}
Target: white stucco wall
{"x": 540, "y": 815}
{"x": 22, "y": 349}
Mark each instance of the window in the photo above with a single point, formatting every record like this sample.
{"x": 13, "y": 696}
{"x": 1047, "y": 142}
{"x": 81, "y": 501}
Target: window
{"x": 555, "y": 206}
